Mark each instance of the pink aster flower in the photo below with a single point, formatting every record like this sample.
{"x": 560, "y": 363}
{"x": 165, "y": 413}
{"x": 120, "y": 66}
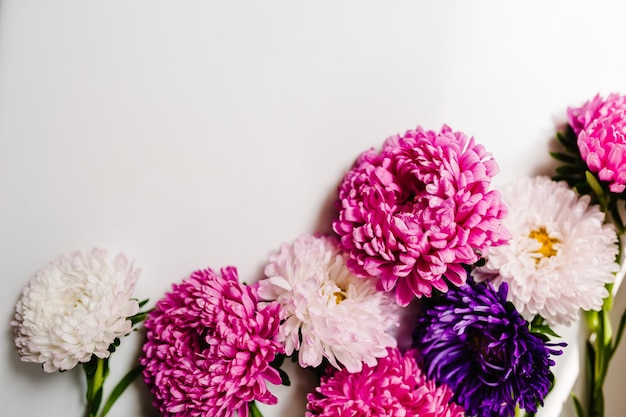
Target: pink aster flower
{"x": 580, "y": 118}
{"x": 395, "y": 387}
{"x": 601, "y": 128}
{"x": 418, "y": 210}
{"x": 209, "y": 347}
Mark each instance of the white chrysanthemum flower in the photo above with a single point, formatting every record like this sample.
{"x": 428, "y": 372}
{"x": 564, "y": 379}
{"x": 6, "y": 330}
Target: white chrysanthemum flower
{"x": 327, "y": 312}
{"x": 74, "y": 308}
{"x": 561, "y": 255}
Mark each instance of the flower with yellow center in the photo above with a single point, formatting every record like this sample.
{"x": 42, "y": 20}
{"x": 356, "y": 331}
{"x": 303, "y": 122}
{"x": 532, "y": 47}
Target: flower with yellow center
{"x": 547, "y": 243}
{"x": 326, "y": 311}
{"x": 561, "y": 256}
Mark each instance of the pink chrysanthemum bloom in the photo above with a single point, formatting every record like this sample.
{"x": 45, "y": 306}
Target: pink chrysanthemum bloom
{"x": 396, "y": 387}
{"x": 600, "y": 126}
{"x": 326, "y": 311}
{"x": 580, "y": 118}
{"x": 415, "y": 212}
{"x": 209, "y": 347}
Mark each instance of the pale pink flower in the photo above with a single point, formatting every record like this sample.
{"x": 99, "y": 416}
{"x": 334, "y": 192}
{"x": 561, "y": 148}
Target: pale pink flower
{"x": 209, "y": 347}
{"x": 601, "y": 128}
{"x": 326, "y": 311}
{"x": 74, "y": 308}
{"x": 395, "y": 387}
{"x": 415, "y": 212}
{"x": 562, "y": 253}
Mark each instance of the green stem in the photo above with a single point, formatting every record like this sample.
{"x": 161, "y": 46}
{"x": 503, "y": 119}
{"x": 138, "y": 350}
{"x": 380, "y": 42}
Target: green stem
{"x": 615, "y": 215}
{"x": 600, "y": 343}
{"x": 95, "y": 372}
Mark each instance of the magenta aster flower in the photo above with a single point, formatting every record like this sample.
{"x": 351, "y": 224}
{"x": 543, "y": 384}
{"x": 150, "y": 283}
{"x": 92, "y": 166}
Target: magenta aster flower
{"x": 394, "y": 387}
{"x": 600, "y": 125}
{"x": 210, "y": 346}
{"x": 415, "y": 212}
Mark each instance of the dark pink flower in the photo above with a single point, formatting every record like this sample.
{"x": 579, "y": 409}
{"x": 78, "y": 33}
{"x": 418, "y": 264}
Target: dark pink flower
{"x": 395, "y": 387}
{"x": 209, "y": 347}
{"x": 415, "y": 212}
{"x": 600, "y": 125}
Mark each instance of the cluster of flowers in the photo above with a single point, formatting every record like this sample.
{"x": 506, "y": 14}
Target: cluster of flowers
{"x": 479, "y": 274}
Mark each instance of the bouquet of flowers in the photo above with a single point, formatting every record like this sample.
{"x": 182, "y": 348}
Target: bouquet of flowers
{"x": 435, "y": 295}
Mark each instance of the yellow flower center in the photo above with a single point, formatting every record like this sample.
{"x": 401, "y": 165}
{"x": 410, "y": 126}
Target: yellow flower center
{"x": 339, "y": 296}
{"x": 547, "y": 243}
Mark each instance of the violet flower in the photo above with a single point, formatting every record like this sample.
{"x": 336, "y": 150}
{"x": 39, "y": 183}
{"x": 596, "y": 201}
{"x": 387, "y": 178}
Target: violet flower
{"x": 475, "y": 342}
{"x": 418, "y": 210}
{"x": 210, "y": 346}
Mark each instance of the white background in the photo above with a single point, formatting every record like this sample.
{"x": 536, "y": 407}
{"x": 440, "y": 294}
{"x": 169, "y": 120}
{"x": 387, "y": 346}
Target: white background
{"x": 196, "y": 134}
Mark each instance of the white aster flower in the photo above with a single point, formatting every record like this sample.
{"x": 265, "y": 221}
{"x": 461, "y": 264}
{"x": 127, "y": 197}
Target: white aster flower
{"x": 74, "y": 308}
{"x": 561, "y": 255}
{"x": 326, "y": 311}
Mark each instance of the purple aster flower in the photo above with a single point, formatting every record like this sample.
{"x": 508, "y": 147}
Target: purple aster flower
{"x": 600, "y": 125}
{"x": 209, "y": 347}
{"x": 394, "y": 387}
{"x": 475, "y": 342}
{"x": 418, "y": 210}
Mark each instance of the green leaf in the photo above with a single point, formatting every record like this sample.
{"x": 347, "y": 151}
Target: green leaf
{"x": 143, "y": 302}
{"x": 582, "y": 188}
{"x": 564, "y": 157}
{"x": 545, "y": 330}
{"x": 569, "y": 170}
{"x": 139, "y": 317}
{"x": 570, "y": 180}
{"x": 480, "y": 262}
{"x": 578, "y": 406}
{"x": 619, "y": 333}
{"x": 120, "y": 388}
{"x": 597, "y": 189}
{"x": 567, "y": 139}
{"x": 570, "y": 136}
{"x": 284, "y": 378}
{"x": 617, "y": 218}
{"x": 276, "y": 364}
{"x": 254, "y": 411}
{"x": 113, "y": 346}
{"x": 537, "y": 321}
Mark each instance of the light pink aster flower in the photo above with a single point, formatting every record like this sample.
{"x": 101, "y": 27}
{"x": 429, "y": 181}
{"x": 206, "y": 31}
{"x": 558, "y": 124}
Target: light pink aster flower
{"x": 395, "y": 387}
{"x": 327, "y": 312}
{"x": 601, "y": 128}
{"x": 209, "y": 347}
{"x": 562, "y": 253}
{"x": 415, "y": 212}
